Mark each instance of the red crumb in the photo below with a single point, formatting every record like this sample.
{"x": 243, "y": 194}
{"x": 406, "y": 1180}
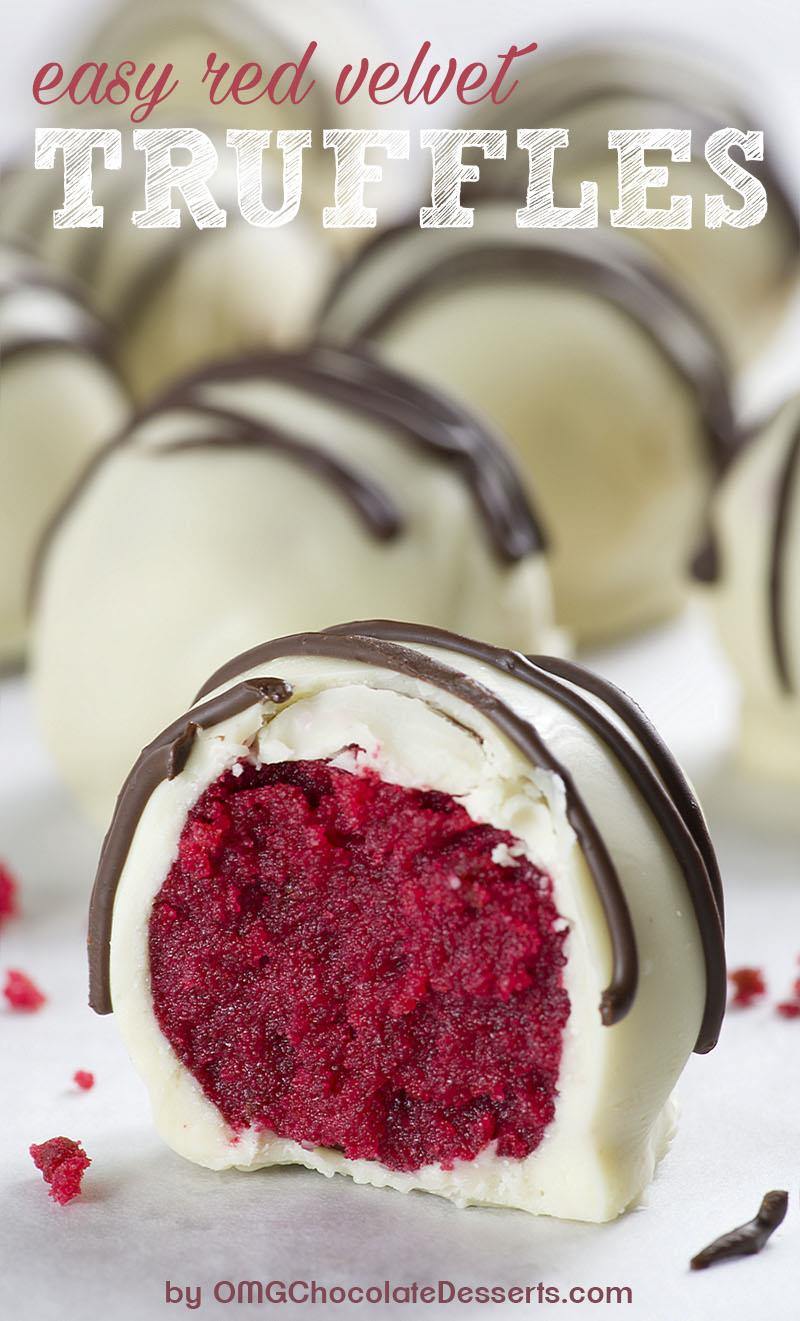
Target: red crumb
{"x": 748, "y": 986}
{"x": 84, "y": 1079}
{"x": 8, "y": 895}
{"x": 342, "y": 961}
{"x": 791, "y": 1008}
{"x": 63, "y": 1164}
{"x": 21, "y": 993}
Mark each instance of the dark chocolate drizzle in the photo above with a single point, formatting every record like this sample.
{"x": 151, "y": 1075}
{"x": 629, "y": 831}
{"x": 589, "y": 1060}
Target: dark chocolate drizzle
{"x": 377, "y": 642}
{"x": 707, "y": 566}
{"x": 788, "y": 484}
{"x": 420, "y": 416}
{"x": 374, "y": 506}
{"x": 636, "y": 289}
{"x": 746, "y": 1239}
{"x": 163, "y": 759}
{"x": 87, "y": 334}
{"x": 680, "y": 106}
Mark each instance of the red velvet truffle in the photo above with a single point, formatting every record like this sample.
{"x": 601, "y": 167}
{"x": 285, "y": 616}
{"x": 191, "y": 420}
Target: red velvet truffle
{"x": 358, "y": 965}
{"x": 63, "y": 1164}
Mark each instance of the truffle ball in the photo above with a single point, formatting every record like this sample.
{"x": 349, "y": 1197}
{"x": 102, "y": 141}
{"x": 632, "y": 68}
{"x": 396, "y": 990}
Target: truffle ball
{"x": 268, "y": 494}
{"x": 741, "y": 279}
{"x": 60, "y": 400}
{"x": 751, "y": 564}
{"x": 610, "y": 389}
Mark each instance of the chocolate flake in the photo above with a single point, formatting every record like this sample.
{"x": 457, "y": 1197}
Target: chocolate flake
{"x": 746, "y": 1239}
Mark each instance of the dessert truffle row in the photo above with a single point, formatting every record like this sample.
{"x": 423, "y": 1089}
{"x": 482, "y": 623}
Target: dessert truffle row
{"x": 61, "y": 398}
{"x": 393, "y": 903}
{"x": 283, "y": 491}
{"x": 149, "y": 284}
{"x": 608, "y": 384}
{"x": 742, "y": 279}
{"x": 750, "y": 565}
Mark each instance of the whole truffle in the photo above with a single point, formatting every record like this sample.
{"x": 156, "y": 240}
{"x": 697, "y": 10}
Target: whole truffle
{"x": 610, "y": 389}
{"x": 751, "y": 565}
{"x": 179, "y": 298}
{"x": 741, "y": 279}
{"x": 264, "y": 495}
{"x": 60, "y": 400}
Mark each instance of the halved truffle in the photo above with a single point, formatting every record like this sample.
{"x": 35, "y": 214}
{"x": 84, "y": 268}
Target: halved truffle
{"x": 391, "y": 903}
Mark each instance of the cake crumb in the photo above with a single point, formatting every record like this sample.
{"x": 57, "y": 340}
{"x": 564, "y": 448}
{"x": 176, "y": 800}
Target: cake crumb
{"x": 748, "y": 986}
{"x": 9, "y": 890}
{"x": 63, "y": 1164}
{"x": 22, "y": 994}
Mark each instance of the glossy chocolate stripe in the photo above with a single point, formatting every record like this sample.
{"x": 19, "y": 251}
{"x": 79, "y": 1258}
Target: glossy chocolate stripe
{"x": 659, "y": 311}
{"x": 670, "y": 798}
{"x": 373, "y": 505}
{"x": 377, "y": 643}
{"x": 161, "y": 760}
{"x": 670, "y": 772}
{"x": 618, "y": 996}
{"x": 86, "y": 331}
{"x": 434, "y": 423}
{"x": 95, "y": 346}
{"x": 786, "y": 498}
{"x": 677, "y": 107}
{"x": 424, "y": 417}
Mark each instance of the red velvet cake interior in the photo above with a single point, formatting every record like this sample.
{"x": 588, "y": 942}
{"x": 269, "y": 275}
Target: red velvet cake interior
{"x": 340, "y": 960}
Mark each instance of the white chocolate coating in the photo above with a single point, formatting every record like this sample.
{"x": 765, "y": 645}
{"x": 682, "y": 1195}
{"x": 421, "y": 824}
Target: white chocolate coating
{"x": 744, "y": 530}
{"x": 59, "y": 401}
{"x": 231, "y": 290}
{"x": 179, "y": 298}
{"x": 742, "y": 279}
{"x": 614, "y": 1115}
{"x": 608, "y": 430}
{"x": 169, "y": 562}
{"x": 184, "y": 32}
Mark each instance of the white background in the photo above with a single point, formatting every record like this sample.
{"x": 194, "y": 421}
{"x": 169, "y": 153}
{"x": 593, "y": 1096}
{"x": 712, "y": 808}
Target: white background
{"x": 146, "y": 1215}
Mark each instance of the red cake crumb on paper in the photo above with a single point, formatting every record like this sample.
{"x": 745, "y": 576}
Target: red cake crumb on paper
{"x": 345, "y": 962}
{"x": 84, "y": 1079}
{"x": 748, "y": 986}
{"x": 21, "y": 993}
{"x": 790, "y": 1008}
{"x": 63, "y": 1164}
{"x": 8, "y": 895}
